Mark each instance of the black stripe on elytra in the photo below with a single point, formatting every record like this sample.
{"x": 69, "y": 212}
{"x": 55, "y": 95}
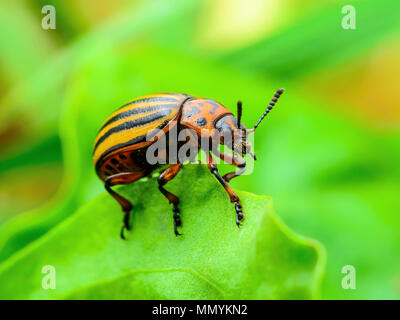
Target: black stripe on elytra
{"x": 152, "y": 99}
{"x": 135, "y": 140}
{"x": 119, "y": 146}
{"x": 133, "y": 124}
{"x": 132, "y": 112}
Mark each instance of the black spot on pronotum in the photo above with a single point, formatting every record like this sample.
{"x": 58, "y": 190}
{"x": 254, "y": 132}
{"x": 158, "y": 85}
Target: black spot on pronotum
{"x": 189, "y": 113}
{"x": 192, "y": 110}
{"x": 201, "y": 121}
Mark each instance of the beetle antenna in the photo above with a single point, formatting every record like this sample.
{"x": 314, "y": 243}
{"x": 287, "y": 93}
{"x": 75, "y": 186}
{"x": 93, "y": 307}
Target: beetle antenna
{"x": 270, "y": 106}
{"x": 239, "y": 113}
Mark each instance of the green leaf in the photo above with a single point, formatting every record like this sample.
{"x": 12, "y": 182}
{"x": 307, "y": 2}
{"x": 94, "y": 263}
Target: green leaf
{"x": 213, "y": 259}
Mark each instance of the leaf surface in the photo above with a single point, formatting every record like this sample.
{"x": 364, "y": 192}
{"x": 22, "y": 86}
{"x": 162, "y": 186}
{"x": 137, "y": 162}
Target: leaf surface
{"x": 213, "y": 259}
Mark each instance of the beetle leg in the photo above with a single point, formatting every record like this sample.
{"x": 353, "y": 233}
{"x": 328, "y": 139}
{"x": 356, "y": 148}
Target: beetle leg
{"x": 232, "y": 195}
{"x": 239, "y": 163}
{"x": 126, "y": 205}
{"x": 167, "y": 175}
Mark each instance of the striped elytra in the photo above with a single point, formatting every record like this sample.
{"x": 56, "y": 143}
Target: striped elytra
{"x": 121, "y": 141}
{"x": 128, "y": 126}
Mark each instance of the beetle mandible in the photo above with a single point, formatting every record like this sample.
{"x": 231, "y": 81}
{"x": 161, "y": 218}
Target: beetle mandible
{"x": 120, "y": 146}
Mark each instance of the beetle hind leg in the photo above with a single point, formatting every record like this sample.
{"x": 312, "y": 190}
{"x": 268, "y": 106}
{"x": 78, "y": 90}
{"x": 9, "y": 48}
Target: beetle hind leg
{"x": 126, "y": 205}
{"x": 167, "y": 175}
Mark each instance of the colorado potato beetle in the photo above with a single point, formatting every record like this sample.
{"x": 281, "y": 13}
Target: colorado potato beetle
{"x": 122, "y": 143}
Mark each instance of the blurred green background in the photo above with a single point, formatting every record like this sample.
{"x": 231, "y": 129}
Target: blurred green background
{"x": 329, "y": 153}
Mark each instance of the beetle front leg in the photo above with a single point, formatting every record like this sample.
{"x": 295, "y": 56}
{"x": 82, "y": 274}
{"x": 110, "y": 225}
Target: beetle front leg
{"x": 233, "y": 160}
{"x": 232, "y": 195}
{"x": 167, "y": 175}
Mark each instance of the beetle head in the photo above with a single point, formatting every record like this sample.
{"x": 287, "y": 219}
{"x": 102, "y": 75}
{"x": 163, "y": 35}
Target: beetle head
{"x": 232, "y": 128}
{"x": 234, "y": 136}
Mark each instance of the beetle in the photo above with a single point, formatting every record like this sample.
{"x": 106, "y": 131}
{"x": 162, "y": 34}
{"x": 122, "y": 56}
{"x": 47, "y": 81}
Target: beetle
{"x": 121, "y": 144}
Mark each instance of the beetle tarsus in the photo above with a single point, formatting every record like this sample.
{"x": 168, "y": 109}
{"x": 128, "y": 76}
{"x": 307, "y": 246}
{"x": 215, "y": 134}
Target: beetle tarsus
{"x": 177, "y": 220}
{"x": 122, "y": 233}
{"x": 239, "y": 213}
{"x": 127, "y": 217}
{"x": 126, "y": 224}
{"x": 176, "y": 230}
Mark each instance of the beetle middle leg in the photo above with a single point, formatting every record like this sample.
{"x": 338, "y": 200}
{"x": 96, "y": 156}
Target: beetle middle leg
{"x": 126, "y": 205}
{"x": 167, "y": 175}
{"x": 232, "y": 195}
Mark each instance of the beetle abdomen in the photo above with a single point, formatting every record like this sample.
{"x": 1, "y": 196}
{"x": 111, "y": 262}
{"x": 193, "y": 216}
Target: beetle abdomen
{"x": 131, "y": 123}
{"x": 125, "y": 160}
